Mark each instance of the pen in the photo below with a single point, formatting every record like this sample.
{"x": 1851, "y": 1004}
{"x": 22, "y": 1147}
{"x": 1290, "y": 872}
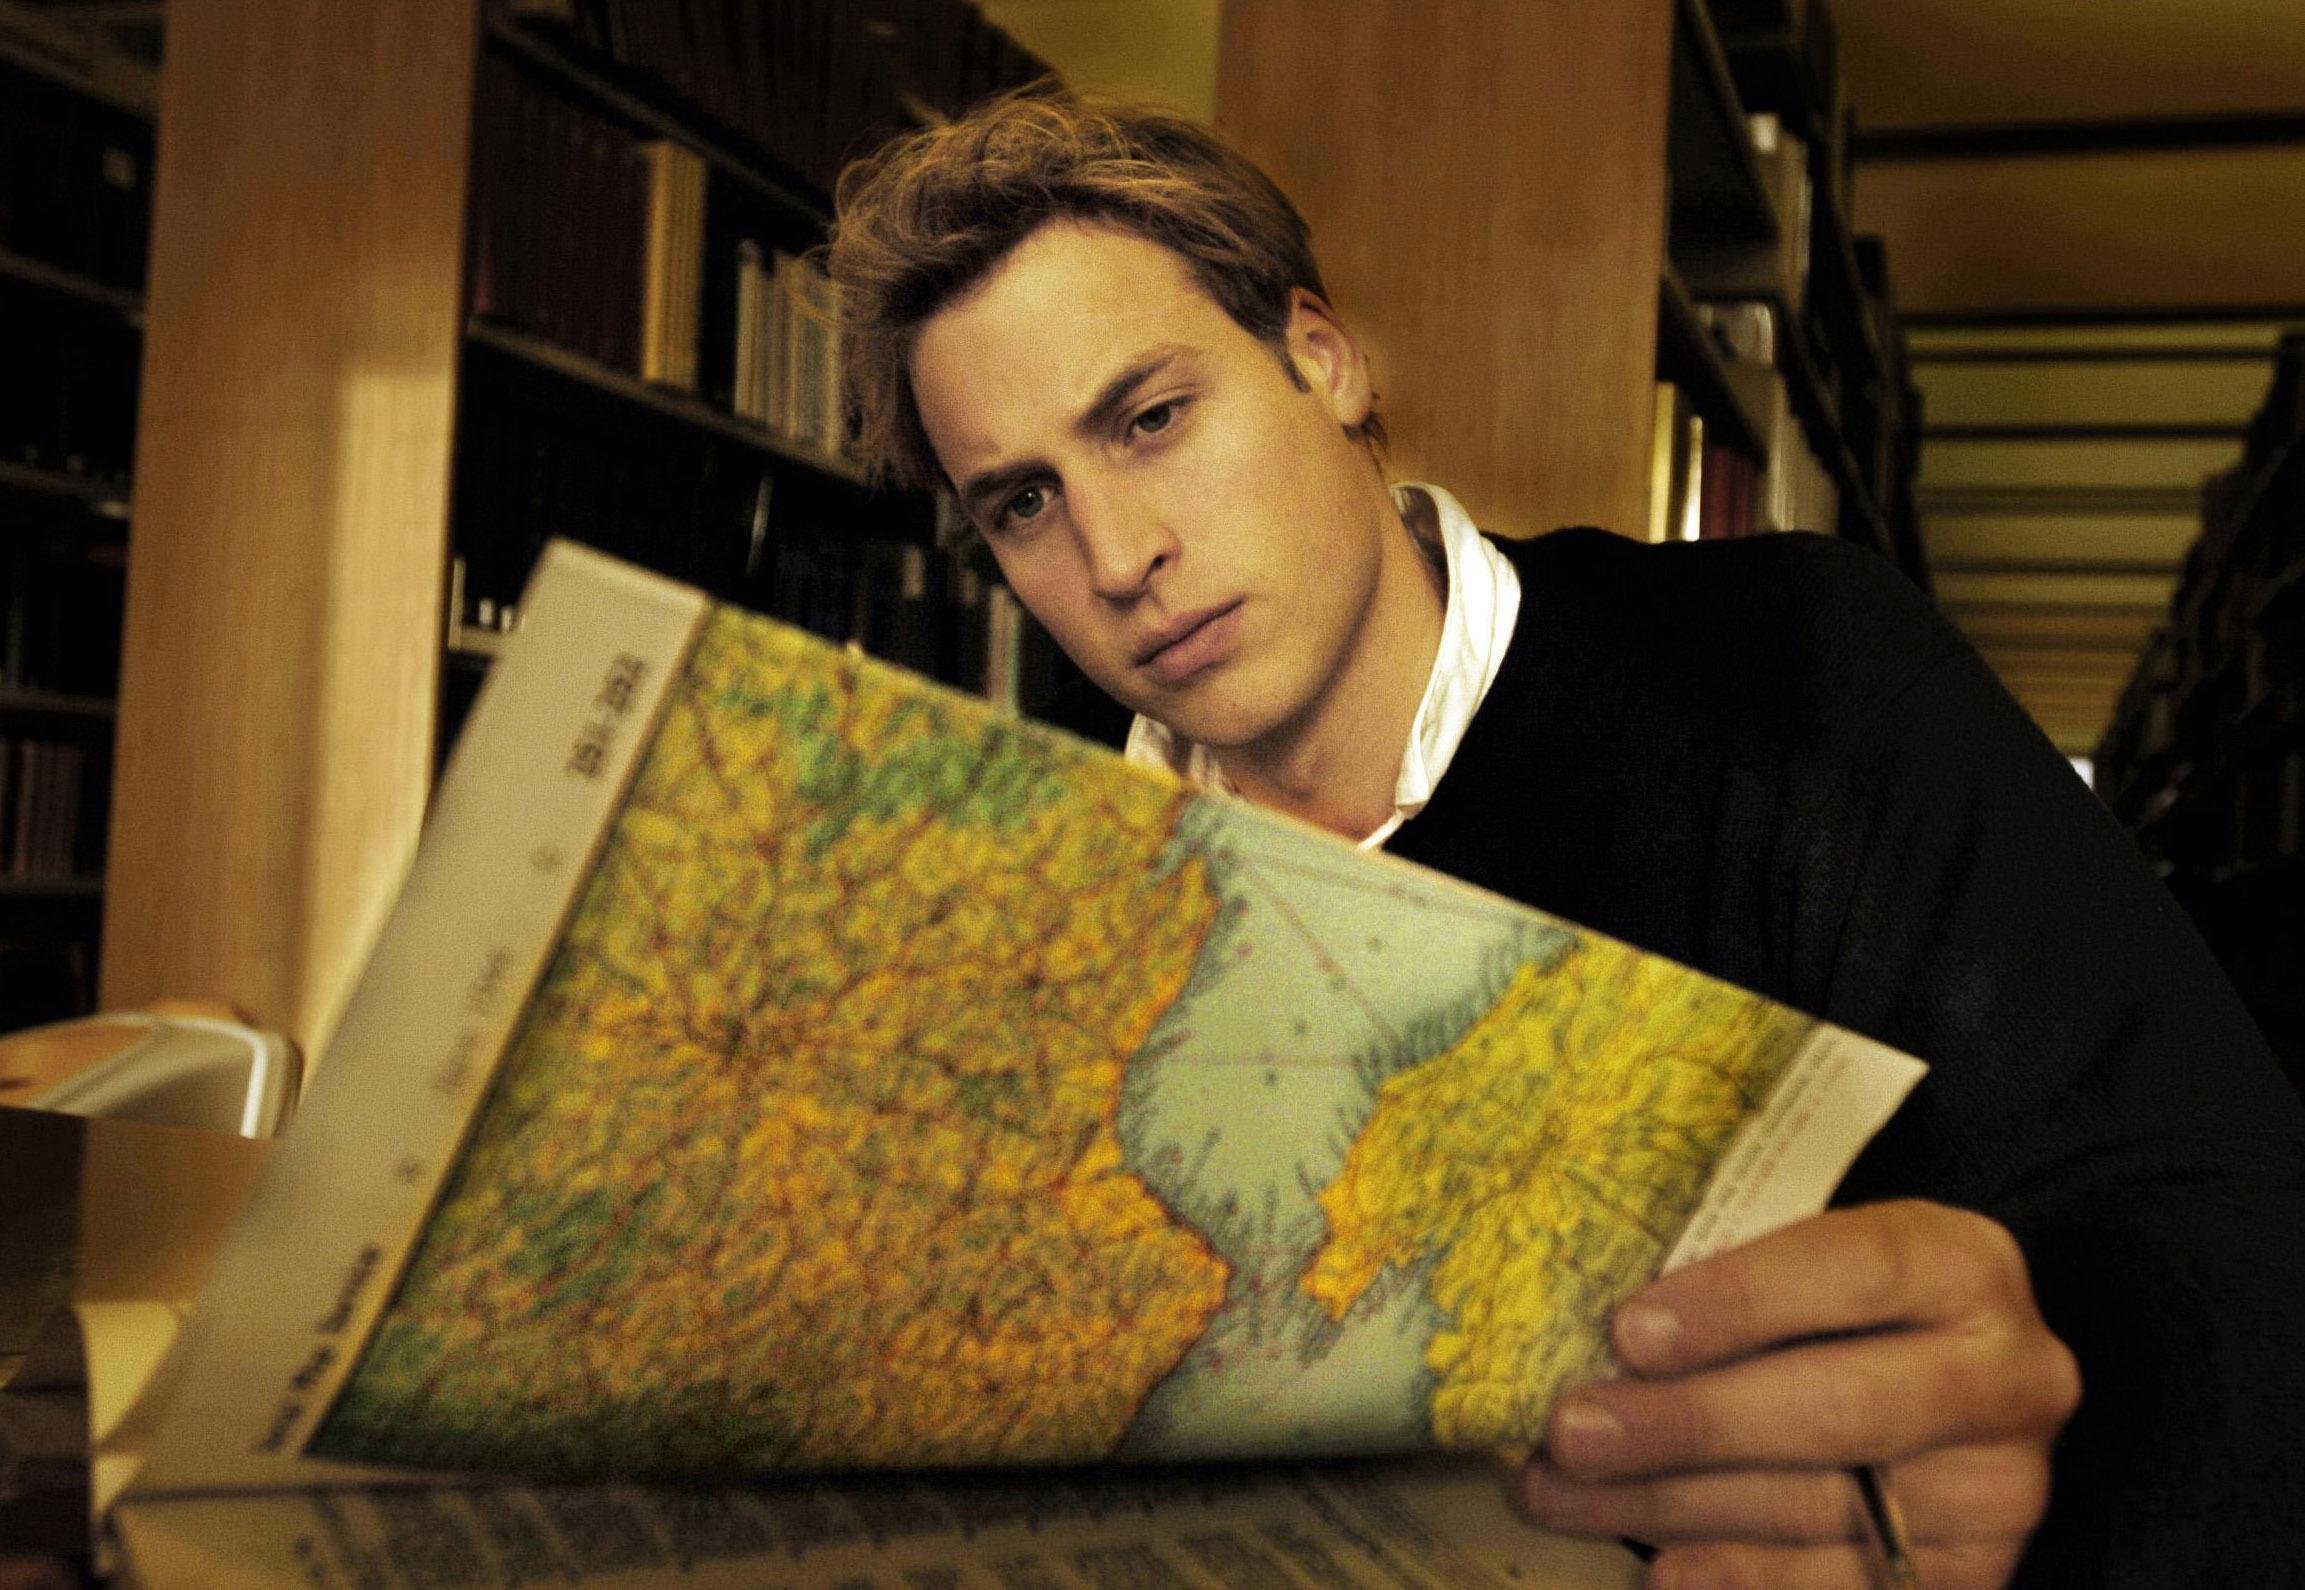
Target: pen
{"x": 1888, "y": 1528}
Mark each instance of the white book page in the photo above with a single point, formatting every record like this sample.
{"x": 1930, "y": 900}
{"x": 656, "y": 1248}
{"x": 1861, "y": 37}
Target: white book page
{"x": 1407, "y": 1524}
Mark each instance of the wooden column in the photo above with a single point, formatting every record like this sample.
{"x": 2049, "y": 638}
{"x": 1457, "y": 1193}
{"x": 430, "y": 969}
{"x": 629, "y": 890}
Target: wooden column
{"x": 282, "y": 640}
{"x": 1485, "y": 181}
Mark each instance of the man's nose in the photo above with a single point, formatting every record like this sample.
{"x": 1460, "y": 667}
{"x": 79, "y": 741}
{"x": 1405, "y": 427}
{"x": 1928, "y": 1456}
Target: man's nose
{"x": 1124, "y": 538}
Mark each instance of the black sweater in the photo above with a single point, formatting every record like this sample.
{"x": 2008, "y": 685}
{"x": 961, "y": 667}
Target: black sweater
{"x": 1773, "y": 760}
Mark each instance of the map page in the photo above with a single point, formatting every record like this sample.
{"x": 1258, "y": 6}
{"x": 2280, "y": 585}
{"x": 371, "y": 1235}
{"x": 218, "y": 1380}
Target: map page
{"x": 904, "y": 1086}
{"x": 913, "y": 1086}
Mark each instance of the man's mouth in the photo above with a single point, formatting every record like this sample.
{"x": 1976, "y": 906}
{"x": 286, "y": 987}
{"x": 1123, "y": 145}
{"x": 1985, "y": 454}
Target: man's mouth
{"x": 1189, "y": 643}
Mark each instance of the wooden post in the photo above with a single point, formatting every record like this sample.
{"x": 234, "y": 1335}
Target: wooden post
{"x": 1485, "y": 181}
{"x": 282, "y": 641}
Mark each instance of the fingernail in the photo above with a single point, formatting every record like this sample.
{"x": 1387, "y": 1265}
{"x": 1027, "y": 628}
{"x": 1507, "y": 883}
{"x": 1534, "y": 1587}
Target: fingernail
{"x": 1647, "y": 1333}
{"x": 1585, "y": 1432}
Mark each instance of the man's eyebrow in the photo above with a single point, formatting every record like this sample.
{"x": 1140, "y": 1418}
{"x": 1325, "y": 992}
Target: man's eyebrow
{"x": 1115, "y": 394}
{"x": 1111, "y": 398}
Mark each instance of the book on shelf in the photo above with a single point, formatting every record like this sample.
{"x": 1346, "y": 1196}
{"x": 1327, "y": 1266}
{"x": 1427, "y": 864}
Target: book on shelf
{"x": 1700, "y": 487}
{"x": 48, "y": 829}
{"x": 1777, "y": 271}
{"x": 673, "y": 279}
{"x": 1784, "y": 162}
{"x": 810, "y": 84}
{"x": 1795, "y": 491}
{"x": 788, "y": 359}
{"x": 777, "y": 1063}
{"x": 539, "y": 159}
{"x": 62, "y": 591}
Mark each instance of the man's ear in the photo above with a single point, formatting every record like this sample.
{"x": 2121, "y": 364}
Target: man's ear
{"x": 1328, "y": 358}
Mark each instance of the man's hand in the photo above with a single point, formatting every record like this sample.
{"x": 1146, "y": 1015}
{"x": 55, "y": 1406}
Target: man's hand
{"x": 1902, "y": 1334}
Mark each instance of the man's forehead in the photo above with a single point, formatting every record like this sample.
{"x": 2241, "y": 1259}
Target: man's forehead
{"x": 1080, "y": 282}
{"x": 1069, "y": 310}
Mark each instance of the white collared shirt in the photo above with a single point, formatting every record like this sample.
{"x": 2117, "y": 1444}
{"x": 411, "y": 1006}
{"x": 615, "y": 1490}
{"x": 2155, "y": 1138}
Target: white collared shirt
{"x": 1476, "y": 627}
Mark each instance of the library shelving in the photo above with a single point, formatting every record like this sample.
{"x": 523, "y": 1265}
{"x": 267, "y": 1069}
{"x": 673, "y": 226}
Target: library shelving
{"x": 1632, "y": 298}
{"x": 349, "y": 373}
{"x": 493, "y": 272}
{"x": 75, "y": 170}
{"x": 2205, "y": 757}
{"x": 658, "y": 376}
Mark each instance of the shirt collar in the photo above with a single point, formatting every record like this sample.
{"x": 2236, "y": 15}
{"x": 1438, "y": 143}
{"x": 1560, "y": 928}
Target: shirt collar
{"x": 1476, "y": 627}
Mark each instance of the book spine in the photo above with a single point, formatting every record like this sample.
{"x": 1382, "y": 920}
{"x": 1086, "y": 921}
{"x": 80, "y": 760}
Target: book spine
{"x": 749, "y": 390}
{"x": 675, "y": 257}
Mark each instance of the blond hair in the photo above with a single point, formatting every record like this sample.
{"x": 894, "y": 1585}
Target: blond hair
{"x": 924, "y": 219}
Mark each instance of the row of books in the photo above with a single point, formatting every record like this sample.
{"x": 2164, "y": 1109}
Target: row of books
{"x": 937, "y": 611}
{"x": 931, "y": 609}
{"x": 75, "y": 180}
{"x": 689, "y": 505}
{"x": 814, "y": 83}
{"x": 2204, "y": 758}
{"x": 873, "y": 571}
{"x": 1798, "y": 492}
{"x": 51, "y": 809}
{"x": 1702, "y": 489}
{"x": 538, "y": 159}
{"x": 1778, "y": 270}
{"x": 60, "y": 612}
{"x": 67, "y": 385}
{"x": 530, "y": 466}
{"x": 672, "y": 280}
{"x": 788, "y": 369}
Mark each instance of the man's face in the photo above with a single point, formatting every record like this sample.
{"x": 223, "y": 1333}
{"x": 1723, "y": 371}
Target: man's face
{"x": 1195, "y": 529}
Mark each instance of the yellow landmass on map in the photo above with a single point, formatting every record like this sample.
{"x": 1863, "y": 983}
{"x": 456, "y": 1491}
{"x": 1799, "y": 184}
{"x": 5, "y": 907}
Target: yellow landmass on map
{"x": 808, "y": 1153}
{"x": 1544, "y": 1163}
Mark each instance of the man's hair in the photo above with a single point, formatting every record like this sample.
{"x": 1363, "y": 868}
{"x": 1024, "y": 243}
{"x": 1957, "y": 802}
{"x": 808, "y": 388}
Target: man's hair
{"x": 927, "y": 217}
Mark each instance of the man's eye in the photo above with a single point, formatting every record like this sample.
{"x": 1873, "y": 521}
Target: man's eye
{"x": 1024, "y": 506}
{"x": 1155, "y": 419}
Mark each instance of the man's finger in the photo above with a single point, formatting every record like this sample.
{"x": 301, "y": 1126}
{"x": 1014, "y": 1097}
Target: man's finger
{"x": 1824, "y": 1404}
{"x": 1990, "y": 1493}
{"x": 1880, "y": 1265}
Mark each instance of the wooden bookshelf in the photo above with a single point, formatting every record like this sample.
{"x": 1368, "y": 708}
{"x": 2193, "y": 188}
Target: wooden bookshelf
{"x": 684, "y": 407}
{"x": 98, "y": 497}
{"x": 316, "y": 377}
{"x": 653, "y": 109}
{"x": 319, "y": 389}
{"x": 70, "y": 247}
{"x": 1716, "y": 195}
{"x": 1688, "y": 356}
{"x": 61, "y": 889}
{"x": 37, "y": 42}
{"x": 1577, "y": 180}
{"x": 57, "y": 708}
{"x": 2205, "y": 757}
{"x": 282, "y": 647}
{"x": 71, "y": 284}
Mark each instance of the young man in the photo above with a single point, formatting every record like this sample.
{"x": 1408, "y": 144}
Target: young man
{"x": 1106, "y": 334}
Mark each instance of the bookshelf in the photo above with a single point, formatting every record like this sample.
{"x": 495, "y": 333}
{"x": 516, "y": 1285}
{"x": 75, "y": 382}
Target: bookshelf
{"x": 2205, "y": 757}
{"x": 723, "y": 466}
{"x": 359, "y": 421}
{"x": 391, "y": 351}
{"x": 75, "y": 170}
{"x": 1592, "y": 216}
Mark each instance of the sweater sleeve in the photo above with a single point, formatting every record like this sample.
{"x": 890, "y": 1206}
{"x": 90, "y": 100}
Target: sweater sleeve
{"x": 2097, "y": 1087}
